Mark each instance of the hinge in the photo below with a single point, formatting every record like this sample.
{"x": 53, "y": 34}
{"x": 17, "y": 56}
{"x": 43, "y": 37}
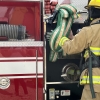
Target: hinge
{"x": 44, "y": 91}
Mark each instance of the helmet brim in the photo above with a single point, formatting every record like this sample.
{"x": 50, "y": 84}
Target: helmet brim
{"x": 87, "y": 7}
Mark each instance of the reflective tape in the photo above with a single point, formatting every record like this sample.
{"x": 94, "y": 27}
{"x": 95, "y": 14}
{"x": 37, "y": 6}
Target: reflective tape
{"x": 95, "y": 50}
{"x": 85, "y": 80}
{"x": 63, "y": 39}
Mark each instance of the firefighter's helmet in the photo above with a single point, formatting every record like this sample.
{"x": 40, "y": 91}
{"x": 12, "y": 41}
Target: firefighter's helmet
{"x": 93, "y": 3}
{"x": 93, "y": 8}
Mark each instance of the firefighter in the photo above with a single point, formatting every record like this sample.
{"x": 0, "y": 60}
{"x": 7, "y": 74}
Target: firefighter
{"x": 89, "y": 39}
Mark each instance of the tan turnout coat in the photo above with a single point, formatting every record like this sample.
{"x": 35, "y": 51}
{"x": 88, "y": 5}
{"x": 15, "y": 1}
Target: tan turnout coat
{"x": 87, "y": 36}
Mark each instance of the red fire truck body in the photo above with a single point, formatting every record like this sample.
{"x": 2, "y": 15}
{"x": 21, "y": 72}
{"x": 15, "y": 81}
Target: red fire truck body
{"x": 21, "y": 61}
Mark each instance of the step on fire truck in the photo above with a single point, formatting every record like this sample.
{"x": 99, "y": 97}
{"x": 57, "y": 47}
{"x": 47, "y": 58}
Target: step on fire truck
{"x": 25, "y": 70}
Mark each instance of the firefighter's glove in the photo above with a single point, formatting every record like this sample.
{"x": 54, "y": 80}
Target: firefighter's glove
{"x": 62, "y": 41}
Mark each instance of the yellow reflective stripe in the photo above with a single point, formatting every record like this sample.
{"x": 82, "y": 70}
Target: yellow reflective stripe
{"x": 85, "y": 79}
{"x": 87, "y": 82}
{"x": 86, "y": 53}
{"x": 98, "y": 1}
{"x": 94, "y": 79}
{"x": 92, "y": 76}
{"x": 62, "y": 40}
{"x": 95, "y": 50}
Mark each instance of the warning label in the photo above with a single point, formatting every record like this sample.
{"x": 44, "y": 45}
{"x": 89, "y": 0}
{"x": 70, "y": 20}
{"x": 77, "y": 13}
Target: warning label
{"x": 65, "y": 92}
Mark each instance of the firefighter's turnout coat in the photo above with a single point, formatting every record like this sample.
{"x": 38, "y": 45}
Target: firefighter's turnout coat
{"x": 88, "y": 37}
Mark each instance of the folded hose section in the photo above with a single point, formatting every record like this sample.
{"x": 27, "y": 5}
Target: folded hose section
{"x": 65, "y": 17}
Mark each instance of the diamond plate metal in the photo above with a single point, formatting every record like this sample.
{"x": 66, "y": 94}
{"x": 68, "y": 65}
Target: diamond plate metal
{"x": 22, "y": 43}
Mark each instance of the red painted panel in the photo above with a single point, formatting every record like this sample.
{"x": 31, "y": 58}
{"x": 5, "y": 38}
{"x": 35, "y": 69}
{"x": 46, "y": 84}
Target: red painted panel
{"x": 23, "y": 13}
{"x": 21, "y": 52}
{"x": 18, "y": 3}
{"x": 22, "y": 89}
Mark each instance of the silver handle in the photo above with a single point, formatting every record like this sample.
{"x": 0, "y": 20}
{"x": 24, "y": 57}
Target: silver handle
{"x": 44, "y": 71}
{"x": 36, "y": 75}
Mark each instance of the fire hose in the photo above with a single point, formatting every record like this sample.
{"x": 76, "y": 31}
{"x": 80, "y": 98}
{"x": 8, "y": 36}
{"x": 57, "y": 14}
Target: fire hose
{"x": 12, "y": 32}
{"x": 65, "y": 17}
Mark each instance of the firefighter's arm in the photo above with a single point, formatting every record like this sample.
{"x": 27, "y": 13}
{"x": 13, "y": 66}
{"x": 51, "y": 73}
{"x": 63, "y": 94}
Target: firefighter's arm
{"x": 76, "y": 45}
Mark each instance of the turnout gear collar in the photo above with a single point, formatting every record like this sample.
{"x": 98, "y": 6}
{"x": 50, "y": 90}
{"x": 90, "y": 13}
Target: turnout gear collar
{"x": 95, "y": 21}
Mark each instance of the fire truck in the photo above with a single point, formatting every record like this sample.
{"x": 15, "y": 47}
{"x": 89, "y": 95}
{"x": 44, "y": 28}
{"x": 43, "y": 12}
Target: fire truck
{"x": 21, "y": 50}
{"x": 25, "y": 70}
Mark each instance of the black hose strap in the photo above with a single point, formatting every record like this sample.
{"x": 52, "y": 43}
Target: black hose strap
{"x": 19, "y": 33}
{"x": 90, "y": 75}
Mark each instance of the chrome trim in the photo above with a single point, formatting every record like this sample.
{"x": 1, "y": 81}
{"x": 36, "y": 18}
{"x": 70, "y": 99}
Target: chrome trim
{"x": 22, "y": 43}
{"x": 62, "y": 82}
{"x": 44, "y": 71}
{"x": 21, "y": 58}
{"x": 27, "y": 76}
{"x": 36, "y": 75}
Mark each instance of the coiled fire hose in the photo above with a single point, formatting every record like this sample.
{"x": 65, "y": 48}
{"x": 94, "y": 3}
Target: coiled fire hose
{"x": 13, "y": 31}
{"x": 65, "y": 17}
